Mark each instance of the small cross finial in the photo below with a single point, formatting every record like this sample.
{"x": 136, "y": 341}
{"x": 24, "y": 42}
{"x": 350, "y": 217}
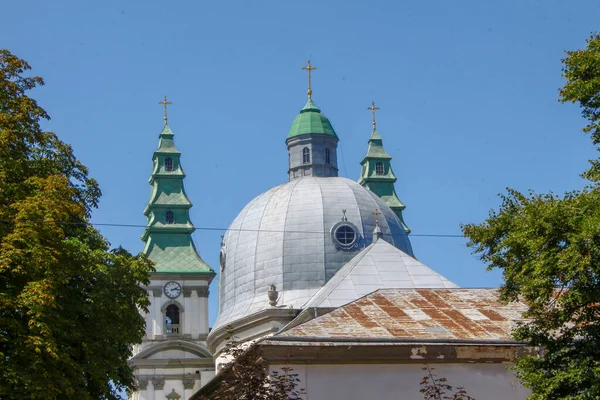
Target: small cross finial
{"x": 373, "y": 109}
{"x": 377, "y": 213}
{"x": 165, "y": 103}
{"x": 309, "y": 68}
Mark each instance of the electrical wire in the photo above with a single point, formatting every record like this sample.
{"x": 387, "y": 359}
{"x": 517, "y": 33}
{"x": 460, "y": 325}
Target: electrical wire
{"x": 205, "y": 228}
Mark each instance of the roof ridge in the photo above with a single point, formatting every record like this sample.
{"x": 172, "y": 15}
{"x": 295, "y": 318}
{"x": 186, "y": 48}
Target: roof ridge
{"x": 337, "y": 278}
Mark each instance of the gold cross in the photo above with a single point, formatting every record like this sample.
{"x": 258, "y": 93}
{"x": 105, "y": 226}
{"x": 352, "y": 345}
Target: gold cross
{"x": 309, "y": 68}
{"x": 373, "y": 109}
{"x": 165, "y": 102}
{"x": 377, "y": 214}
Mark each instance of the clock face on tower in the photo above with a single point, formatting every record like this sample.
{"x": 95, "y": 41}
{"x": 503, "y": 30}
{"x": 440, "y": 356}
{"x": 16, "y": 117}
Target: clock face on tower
{"x": 172, "y": 289}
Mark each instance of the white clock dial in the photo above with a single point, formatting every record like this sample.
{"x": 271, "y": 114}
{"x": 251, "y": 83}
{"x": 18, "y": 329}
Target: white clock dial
{"x": 172, "y": 289}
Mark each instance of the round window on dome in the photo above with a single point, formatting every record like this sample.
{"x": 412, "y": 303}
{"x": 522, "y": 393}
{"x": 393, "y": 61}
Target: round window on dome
{"x": 345, "y": 235}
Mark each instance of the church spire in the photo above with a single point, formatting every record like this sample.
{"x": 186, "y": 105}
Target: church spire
{"x": 377, "y": 174}
{"x": 168, "y": 233}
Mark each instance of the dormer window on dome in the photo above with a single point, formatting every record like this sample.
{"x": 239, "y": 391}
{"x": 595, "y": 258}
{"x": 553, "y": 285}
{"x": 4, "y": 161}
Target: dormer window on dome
{"x": 168, "y": 164}
{"x": 379, "y": 170}
{"x": 306, "y": 155}
{"x": 170, "y": 218}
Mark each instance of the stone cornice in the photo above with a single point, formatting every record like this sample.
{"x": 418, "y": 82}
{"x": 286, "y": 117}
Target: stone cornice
{"x": 197, "y": 276}
{"x": 353, "y": 352}
{"x": 218, "y": 335}
{"x": 186, "y": 338}
{"x": 187, "y": 290}
{"x": 173, "y": 363}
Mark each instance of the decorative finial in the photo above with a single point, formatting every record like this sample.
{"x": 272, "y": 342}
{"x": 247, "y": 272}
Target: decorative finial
{"x": 165, "y": 102}
{"x": 377, "y": 233}
{"x": 309, "y": 68}
{"x": 273, "y": 295}
{"x": 373, "y": 109}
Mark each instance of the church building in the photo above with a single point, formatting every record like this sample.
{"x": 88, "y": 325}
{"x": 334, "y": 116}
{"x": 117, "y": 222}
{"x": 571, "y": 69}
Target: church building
{"x": 320, "y": 273}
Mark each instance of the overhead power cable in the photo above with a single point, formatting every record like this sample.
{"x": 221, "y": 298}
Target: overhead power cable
{"x": 205, "y": 228}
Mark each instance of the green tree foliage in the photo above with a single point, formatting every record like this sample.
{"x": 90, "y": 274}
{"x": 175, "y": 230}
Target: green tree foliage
{"x": 548, "y": 248}
{"x": 69, "y": 307}
{"x": 582, "y": 72}
{"x": 436, "y": 388}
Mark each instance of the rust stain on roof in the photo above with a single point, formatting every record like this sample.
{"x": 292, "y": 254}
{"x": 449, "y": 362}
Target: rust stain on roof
{"x": 470, "y": 314}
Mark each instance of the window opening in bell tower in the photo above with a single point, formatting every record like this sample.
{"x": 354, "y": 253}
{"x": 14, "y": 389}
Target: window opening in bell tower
{"x": 306, "y": 155}
{"x": 168, "y": 164}
{"x": 172, "y": 319}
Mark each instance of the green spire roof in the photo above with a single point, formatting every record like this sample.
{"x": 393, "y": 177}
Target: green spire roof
{"x": 311, "y": 121}
{"x": 168, "y": 233}
{"x": 378, "y": 177}
{"x": 376, "y": 147}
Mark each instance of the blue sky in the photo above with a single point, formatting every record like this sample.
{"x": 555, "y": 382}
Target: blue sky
{"x": 468, "y": 94}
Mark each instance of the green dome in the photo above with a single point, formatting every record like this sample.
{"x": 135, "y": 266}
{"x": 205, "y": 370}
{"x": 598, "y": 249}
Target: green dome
{"x": 311, "y": 121}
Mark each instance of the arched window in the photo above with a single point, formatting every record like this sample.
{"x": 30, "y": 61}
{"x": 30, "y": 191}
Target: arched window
{"x": 327, "y": 156}
{"x": 170, "y": 218}
{"x": 306, "y": 155}
{"x": 172, "y": 319}
{"x": 168, "y": 164}
{"x": 379, "y": 169}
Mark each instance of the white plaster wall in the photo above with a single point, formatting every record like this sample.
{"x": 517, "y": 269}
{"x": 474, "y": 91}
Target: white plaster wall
{"x": 402, "y": 381}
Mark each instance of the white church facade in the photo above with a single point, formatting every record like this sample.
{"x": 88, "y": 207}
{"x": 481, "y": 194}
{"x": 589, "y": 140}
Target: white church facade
{"x": 320, "y": 273}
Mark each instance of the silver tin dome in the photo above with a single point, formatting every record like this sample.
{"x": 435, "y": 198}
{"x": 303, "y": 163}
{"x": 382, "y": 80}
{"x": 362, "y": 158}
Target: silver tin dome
{"x": 297, "y": 236}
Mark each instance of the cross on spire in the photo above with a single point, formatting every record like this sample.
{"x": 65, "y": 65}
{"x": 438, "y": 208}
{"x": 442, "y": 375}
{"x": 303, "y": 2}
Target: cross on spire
{"x": 165, "y": 103}
{"x": 309, "y": 68}
{"x": 377, "y": 213}
{"x": 373, "y": 109}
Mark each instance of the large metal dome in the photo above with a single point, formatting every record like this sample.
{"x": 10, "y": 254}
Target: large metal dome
{"x": 297, "y": 236}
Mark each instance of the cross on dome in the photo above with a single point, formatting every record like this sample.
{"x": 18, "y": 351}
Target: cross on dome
{"x": 309, "y": 68}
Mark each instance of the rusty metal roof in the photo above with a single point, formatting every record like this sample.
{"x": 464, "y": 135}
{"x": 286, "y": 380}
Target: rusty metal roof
{"x": 463, "y": 314}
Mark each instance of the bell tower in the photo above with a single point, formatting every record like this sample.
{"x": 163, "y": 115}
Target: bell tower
{"x": 173, "y": 358}
{"x": 377, "y": 174}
